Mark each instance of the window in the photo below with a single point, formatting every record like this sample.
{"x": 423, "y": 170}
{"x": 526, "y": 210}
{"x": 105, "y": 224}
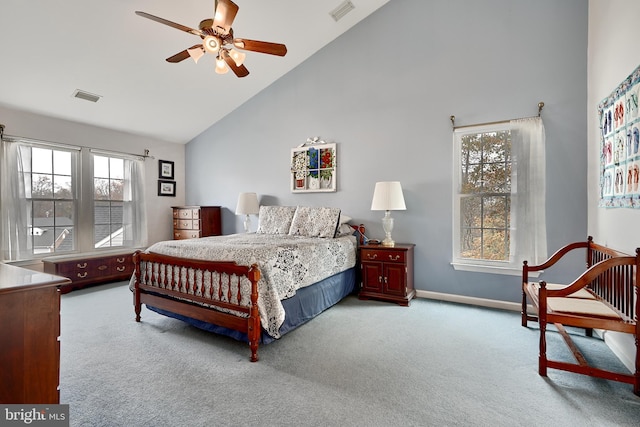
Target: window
{"x": 485, "y": 195}
{"x": 496, "y": 227}
{"x": 52, "y": 204}
{"x": 108, "y": 201}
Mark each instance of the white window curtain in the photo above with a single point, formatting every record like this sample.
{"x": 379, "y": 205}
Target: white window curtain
{"x": 528, "y": 195}
{"x": 13, "y": 203}
{"x": 134, "y": 214}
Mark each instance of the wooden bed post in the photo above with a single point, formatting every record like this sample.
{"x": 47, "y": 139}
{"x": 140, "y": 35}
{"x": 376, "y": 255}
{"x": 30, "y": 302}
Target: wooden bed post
{"x": 253, "y": 333}
{"x": 525, "y": 281}
{"x": 137, "y": 306}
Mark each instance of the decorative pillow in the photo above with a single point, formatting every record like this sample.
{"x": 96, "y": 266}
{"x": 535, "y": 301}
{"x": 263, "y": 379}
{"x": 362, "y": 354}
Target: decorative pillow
{"x": 344, "y": 218}
{"x": 275, "y": 219}
{"x": 314, "y": 222}
{"x": 344, "y": 230}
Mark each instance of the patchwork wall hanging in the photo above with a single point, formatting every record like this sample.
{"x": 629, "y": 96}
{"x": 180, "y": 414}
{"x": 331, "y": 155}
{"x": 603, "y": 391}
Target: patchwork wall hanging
{"x": 620, "y": 145}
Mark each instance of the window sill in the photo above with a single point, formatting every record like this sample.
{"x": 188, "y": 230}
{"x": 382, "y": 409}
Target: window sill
{"x": 492, "y": 269}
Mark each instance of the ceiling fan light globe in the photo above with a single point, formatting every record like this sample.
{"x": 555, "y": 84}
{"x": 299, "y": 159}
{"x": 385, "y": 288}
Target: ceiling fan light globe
{"x": 221, "y": 66}
{"x": 211, "y": 44}
{"x": 238, "y": 57}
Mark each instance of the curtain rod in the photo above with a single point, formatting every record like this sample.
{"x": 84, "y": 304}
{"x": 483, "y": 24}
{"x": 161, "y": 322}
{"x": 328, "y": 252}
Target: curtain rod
{"x": 453, "y": 119}
{"x": 145, "y": 156}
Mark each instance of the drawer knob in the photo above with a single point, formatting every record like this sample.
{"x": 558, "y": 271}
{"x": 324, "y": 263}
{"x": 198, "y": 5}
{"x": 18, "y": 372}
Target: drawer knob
{"x": 82, "y": 275}
{"x": 121, "y": 269}
{"x": 395, "y": 258}
{"x": 83, "y": 265}
{"x": 374, "y": 256}
{"x": 120, "y": 260}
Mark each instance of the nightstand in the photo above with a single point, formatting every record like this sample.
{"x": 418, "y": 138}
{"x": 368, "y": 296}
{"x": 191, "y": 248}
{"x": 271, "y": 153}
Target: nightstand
{"x": 387, "y": 273}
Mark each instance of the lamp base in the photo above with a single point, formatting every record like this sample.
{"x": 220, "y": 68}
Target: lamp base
{"x": 387, "y": 225}
{"x": 247, "y": 223}
{"x": 388, "y": 243}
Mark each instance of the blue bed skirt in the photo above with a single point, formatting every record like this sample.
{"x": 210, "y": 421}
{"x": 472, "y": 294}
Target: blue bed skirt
{"x": 306, "y": 304}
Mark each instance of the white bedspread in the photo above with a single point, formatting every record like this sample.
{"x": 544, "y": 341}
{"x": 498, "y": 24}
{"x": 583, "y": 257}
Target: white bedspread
{"x": 286, "y": 263}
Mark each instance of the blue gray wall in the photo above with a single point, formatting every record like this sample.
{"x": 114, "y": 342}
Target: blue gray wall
{"x": 384, "y": 92}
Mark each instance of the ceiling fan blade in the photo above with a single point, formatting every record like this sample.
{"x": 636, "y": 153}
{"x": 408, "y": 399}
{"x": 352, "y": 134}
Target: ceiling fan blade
{"x": 224, "y": 15}
{"x": 240, "y": 71}
{"x": 171, "y": 24}
{"x": 181, "y": 56}
{"x": 262, "y": 47}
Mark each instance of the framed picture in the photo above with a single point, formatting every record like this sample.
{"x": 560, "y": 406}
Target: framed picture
{"x": 313, "y": 168}
{"x": 166, "y": 188}
{"x": 165, "y": 169}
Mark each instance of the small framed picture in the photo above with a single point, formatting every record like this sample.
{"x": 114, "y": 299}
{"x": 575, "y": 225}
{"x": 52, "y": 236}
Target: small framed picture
{"x": 165, "y": 169}
{"x": 166, "y": 188}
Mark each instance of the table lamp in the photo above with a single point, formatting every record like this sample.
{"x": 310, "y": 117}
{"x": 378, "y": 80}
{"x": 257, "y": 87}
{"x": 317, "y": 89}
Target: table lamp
{"x": 247, "y": 205}
{"x": 387, "y": 196}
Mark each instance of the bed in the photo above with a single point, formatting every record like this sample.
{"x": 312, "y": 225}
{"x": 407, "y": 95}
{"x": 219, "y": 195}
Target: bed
{"x": 253, "y": 287}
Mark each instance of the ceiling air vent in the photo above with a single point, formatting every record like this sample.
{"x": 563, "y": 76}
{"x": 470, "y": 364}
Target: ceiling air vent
{"x": 81, "y": 94}
{"x": 340, "y": 11}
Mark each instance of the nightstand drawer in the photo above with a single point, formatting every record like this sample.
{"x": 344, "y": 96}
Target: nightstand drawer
{"x": 386, "y": 255}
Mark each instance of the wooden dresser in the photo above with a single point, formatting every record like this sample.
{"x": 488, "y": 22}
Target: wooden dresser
{"x": 29, "y": 342}
{"x": 192, "y": 222}
{"x": 387, "y": 273}
{"x": 85, "y": 270}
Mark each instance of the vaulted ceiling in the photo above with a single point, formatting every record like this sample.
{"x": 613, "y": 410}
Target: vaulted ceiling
{"x": 50, "y": 49}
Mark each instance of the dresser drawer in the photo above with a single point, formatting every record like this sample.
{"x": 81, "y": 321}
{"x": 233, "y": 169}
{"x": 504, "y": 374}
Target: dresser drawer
{"x": 186, "y": 224}
{"x": 121, "y": 265}
{"x": 386, "y": 255}
{"x": 186, "y": 213}
{"x": 186, "y": 234}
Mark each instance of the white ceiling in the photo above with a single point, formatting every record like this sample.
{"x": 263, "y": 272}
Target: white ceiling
{"x": 51, "y": 48}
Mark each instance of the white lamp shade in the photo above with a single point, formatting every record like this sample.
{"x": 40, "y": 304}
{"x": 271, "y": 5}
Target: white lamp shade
{"x": 387, "y": 196}
{"x": 247, "y": 204}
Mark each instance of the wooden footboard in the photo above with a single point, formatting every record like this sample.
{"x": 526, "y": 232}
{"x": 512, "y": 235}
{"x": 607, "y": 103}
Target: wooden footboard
{"x": 219, "y": 292}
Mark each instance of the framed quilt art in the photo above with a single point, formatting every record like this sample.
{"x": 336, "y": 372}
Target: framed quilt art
{"x": 620, "y": 145}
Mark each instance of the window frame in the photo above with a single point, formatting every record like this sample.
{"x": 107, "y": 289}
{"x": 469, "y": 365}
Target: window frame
{"x": 458, "y": 262}
{"x": 31, "y": 201}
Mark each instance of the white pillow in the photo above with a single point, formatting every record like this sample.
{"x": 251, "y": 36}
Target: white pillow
{"x": 275, "y": 219}
{"x": 344, "y": 230}
{"x": 344, "y": 218}
{"x": 314, "y": 222}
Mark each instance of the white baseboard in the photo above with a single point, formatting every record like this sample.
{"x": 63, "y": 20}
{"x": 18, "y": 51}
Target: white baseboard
{"x": 620, "y": 344}
{"x": 462, "y": 299}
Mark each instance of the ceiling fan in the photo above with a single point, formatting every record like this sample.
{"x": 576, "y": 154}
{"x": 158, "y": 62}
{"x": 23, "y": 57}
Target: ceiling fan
{"x": 217, "y": 38}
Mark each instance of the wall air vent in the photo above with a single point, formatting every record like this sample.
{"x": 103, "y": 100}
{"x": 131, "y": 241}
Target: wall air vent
{"x": 81, "y": 94}
{"x": 340, "y": 11}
